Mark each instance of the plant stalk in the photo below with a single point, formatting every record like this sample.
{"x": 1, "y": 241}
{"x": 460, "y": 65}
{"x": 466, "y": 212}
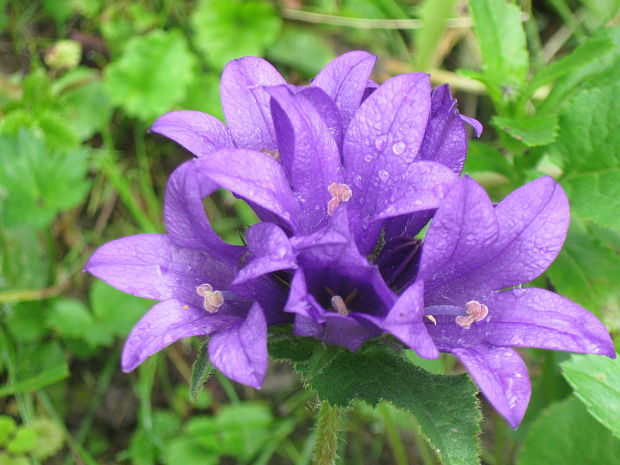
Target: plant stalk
{"x": 327, "y": 427}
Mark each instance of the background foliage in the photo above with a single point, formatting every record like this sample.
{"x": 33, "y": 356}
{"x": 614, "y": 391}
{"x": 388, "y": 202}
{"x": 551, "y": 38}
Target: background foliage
{"x": 80, "y": 83}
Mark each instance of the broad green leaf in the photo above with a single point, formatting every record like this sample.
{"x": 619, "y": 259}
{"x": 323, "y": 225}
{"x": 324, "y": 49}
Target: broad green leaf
{"x": 151, "y": 75}
{"x": 70, "y": 319}
{"x": 87, "y": 108}
{"x": 201, "y": 372}
{"x": 7, "y": 427}
{"x": 116, "y": 312}
{"x": 304, "y": 49}
{"x": 203, "y": 94}
{"x": 188, "y": 451}
{"x": 50, "y": 437}
{"x": 37, "y": 366}
{"x": 604, "y": 71}
{"x": 121, "y": 21}
{"x": 238, "y": 430}
{"x": 596, "y": 381}
{"x": 501, "y": 37}
{"x": 588, "y": 145}
{"x": 6, "y": 459}
{"x": 36, "y": 182}
{"x": 587, "y": 270}
{"x": 482, "y": 157}
{"x": 228, "y": 29}
{"x": 24, "y": 441}
{"x": 532, "y": 130}
{"x": 582, "y": 55}
{"x": 566, "y": 434}
{"x": 284, "y": 346}
{"x": 445, "y": 406}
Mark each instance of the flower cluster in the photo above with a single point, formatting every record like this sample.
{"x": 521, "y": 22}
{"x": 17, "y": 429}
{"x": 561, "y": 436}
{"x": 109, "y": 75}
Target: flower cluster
{"x": 344, "y": 174}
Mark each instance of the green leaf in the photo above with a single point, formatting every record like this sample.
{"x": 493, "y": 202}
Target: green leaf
{"x": 582, "y": 55}
{"x": 501, "y": 37}
{"x": 532, "y": 130}
{"x": 7, "y": 426}
{"x": 228, "y": 29}
{"x": 482, "y": 157}
{"x": 6, "y": 459}
{"x": 50, "y": 437}
{"x": 587, "y": 270}
{"x": 188, "y": 451}
{"x": 565, "y": 433}
{"x": 70, "y": 319}
{"x": 151, "y": 75}
{"x": 116, "y": 312}
{"x": 596, "y": 381}
{"x": 445, "y": 406}
{"x": 201, "y": 372}
{"x": 87, "y": 108}
{"x": 238, "y": 430}
{"x": 304, "y": 49}
{"x": 37, "y": 366}
{"x": 24, "y": 441}
{"x": 588, "y": 144}
{"x": 284, "y": 346}
{"x": 36, "y": 183}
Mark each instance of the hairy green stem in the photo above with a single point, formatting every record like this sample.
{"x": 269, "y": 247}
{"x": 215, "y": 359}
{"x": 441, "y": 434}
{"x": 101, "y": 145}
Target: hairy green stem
{"x": 327, "y": 427}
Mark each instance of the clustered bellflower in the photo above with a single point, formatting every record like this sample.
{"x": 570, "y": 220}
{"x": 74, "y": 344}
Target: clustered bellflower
{"x": 343, "y": 174}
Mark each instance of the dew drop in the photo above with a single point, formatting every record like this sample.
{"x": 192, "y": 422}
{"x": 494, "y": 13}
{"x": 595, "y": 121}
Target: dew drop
{"x": 358, "y": 181}
{"x": 383, "y": 175}
{"x": 398, "y": 148}
{"x": 369, "y": 157}
{"x": 519, "y": 292}
{"x": 380, "y": 142}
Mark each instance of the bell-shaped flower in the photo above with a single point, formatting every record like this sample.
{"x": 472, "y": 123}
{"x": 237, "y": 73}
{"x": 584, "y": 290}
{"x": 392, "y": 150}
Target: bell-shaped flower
{"x": 475, "y": 257}
{"x": 336, "y": 294}
{"x": 190, "y": 271}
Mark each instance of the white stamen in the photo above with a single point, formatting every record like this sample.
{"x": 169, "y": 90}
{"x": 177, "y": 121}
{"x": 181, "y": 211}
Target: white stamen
{"x": 213, "y": 300}
{"x": 339, "y": 305}
{"x": 340, "y": 193}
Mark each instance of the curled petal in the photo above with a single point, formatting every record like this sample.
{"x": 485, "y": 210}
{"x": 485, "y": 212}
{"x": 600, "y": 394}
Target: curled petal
{"x": 502, "y": 377}
{"x": 246, "y": 105}
{"x": 405, "y": 321}
{"x": 150, "y": 266}
{"x": 239, "y": 351}
{"x": 327, "y": 110}
{"x": 256, "y": 177}
{"x": 197, "y": 132}
{"x": 185, "y": 217}
{"x": 269, "y": 250}
{"x": 165, "y": 323}
{"x": 344, "y": 79}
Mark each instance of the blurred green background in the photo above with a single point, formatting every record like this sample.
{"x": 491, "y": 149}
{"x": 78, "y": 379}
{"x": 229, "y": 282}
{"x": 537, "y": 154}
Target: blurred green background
{"x": 80, "y": 83}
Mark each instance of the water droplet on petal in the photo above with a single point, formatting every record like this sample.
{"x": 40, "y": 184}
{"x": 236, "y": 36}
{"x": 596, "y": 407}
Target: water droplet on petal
{"x": 369, "y": 157}
{"x": 380, "y": 142}
{"x": 358, "y": 181}
{"x": 383, "y": 175}
{"x": 398, "y": 148}
{"x": 519, "y": 292}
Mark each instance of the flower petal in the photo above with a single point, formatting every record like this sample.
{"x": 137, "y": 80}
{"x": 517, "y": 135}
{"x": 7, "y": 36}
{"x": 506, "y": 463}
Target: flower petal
{"x": 463, "y": 230}
{"x": 197, "y": 132}
{"x": 429, "y": 181}
{"x": 327, "y": 110}
{"x": 150, "y": 266}
{"x": 530, "y": 317}
{"x": 246, "y": 105}
{"x": 381, "y": 142}
{"x": 256, "y": 177}
{"x": 405, "y": 321}
{"x": 344, "y": 79}
{"x": 346, "y": 331}
{"x": 240, "y": 350}
{"x": 533, "y": 222}
{"x": 445, "y": 139}
{"x": 270, "y": 250}
{"x": 164, "y": 324}
{"x": 308, "y": 151}
{"x": 502, "y": 377}
{"x": 186, "y": 221}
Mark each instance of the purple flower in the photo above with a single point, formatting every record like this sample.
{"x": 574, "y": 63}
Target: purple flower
{"x": 337, "y": 296}
{"x": 190, "y": 271}
{"x": 474, "y": 254}
{"x": 296, "y": 154}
